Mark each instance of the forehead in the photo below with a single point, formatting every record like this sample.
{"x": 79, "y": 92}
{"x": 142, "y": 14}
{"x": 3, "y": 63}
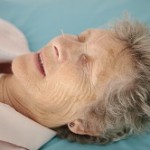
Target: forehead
{"x": 101, "y": 41}
{"x": 108, "y": 56}
{"x": 95, "y": 33}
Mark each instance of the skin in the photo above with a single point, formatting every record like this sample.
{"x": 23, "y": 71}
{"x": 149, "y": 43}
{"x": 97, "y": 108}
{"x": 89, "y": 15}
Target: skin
{"x": 77, "y": 68}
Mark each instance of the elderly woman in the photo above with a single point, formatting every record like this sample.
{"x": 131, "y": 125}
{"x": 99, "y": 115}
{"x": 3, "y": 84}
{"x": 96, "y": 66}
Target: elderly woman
{"x": 93, "y": 87}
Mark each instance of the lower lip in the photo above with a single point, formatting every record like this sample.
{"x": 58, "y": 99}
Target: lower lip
{"x": 38, "y": 66}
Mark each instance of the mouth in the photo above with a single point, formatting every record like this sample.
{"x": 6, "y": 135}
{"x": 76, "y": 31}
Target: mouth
{"x": 40, "y": 64}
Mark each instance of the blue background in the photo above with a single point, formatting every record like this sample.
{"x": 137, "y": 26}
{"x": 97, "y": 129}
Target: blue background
{"x": 41, "y": 20}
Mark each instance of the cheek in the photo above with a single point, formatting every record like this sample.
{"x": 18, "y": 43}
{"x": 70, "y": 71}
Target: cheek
{"x": 70, "y": 85}
{"x": 30, "y": 83}
{"x": 69, "y": 76}
{"x": 60, "y": 90}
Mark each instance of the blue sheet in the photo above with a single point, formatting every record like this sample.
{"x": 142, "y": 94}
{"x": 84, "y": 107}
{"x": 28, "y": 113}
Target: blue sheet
{"x": 41, "y": 20}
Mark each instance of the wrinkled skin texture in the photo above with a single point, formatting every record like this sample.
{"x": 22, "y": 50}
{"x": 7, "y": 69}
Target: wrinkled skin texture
{"x": 77, "y": 70}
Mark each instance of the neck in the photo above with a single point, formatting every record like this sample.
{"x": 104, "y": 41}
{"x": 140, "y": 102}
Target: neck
{"x": 9, "y": 96}
{"x": 4, "y": 95}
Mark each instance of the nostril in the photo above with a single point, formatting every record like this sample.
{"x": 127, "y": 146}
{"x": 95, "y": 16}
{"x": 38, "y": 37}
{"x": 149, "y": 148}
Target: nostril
{"x": 56, "y": 51}
{"x": 60, "y": 53}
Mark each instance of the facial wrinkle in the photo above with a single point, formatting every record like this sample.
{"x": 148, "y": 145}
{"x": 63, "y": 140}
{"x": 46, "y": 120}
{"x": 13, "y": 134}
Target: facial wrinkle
{"x": 100, "y": 38}
{"x": 84, "y": 89}
{"x": 56, "y": 92}
{"x": 90, "y": 67}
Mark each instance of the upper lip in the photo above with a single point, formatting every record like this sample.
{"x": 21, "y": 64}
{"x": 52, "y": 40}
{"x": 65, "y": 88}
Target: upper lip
{"x": 41, "y": 63}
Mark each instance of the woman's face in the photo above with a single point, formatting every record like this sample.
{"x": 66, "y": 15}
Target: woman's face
{"x": 66, "y": 74}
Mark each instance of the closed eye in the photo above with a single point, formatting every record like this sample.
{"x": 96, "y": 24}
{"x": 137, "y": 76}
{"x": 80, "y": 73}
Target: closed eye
{"x": 86, "y": 64}
{"x": 84, "y": 59}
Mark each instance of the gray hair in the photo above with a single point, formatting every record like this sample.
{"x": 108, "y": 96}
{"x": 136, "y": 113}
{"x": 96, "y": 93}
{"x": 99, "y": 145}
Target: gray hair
{"x": 126, "y": 107}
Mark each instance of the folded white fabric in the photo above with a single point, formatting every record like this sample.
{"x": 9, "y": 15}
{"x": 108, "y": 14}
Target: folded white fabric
{"x": 22, "y": 131}
{"x": 12, "y": 41}
{"x": 16, "y": 130}
{"x": 8, "y": 146}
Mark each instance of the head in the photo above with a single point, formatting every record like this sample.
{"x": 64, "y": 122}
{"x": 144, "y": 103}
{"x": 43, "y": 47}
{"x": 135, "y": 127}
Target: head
{"x": 94, "y": 87}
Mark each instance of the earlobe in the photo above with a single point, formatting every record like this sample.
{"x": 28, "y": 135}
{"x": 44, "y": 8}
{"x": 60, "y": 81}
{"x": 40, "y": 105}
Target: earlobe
{"x": 77, "y": 127}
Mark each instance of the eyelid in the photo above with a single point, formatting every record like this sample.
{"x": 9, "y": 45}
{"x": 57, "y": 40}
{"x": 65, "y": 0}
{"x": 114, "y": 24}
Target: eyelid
{"x": 84, "y": 59}
{"x": 86, "y": 64}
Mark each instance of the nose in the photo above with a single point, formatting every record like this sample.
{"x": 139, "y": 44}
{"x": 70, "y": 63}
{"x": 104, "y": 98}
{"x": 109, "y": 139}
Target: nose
{"x": 66, "y": 48}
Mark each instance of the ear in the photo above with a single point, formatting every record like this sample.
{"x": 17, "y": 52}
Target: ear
{"x": 77, "y": 127}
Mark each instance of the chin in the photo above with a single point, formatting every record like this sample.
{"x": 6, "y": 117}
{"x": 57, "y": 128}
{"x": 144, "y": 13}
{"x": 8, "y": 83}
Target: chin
{"x": 23, "y": 69}
{"x": 18, "y": 67}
